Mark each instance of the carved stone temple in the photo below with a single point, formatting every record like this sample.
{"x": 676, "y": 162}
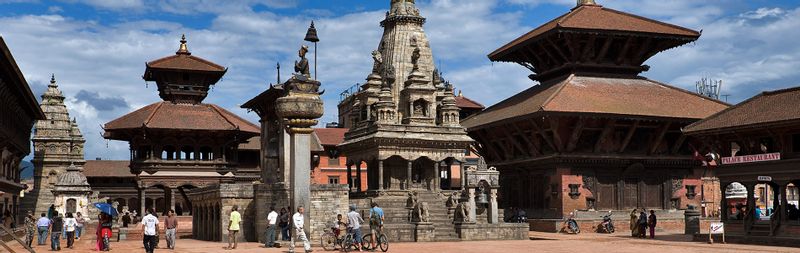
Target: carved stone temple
{"x": 57, "y": 145}
{"x": 404, "y": 131}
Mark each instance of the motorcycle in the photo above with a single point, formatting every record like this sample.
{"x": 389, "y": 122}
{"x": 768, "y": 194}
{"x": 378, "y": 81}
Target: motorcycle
{"x": 607, "y": 226}
{"x": 570, "y": 226}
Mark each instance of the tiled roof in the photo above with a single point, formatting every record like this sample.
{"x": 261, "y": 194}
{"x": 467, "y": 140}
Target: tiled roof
{"x": 253, "y": 143}
{"x": 166, "y": 115}
{"x": 330, "y": 136}
{"x": 601, "y": 95}
{"x": 464, "y": 102}
{"x": 185, "y": 62}
{"x": 772, "y": 107}
{"x": 596, "y": 17}
{"x": 107, "y": 168}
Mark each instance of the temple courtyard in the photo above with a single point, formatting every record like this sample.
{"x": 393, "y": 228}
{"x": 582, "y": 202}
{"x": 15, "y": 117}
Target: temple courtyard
{"x": 540, "y": 242}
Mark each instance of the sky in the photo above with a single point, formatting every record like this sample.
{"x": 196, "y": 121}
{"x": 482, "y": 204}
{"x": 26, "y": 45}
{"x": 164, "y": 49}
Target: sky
{"x": 97, "y": 49}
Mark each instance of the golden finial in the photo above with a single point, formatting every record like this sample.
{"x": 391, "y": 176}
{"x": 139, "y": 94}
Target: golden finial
{"x": 53, "y": 80}
{"x": 183, "y": 49}
{"x": 586, "y": 2}
{"x": 459, "y": 93}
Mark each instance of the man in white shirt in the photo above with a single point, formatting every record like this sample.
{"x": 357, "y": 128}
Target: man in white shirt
{"x": 150, "y": 231}
{"x": 272, "y": 221}
{"x": 298, "y": 220}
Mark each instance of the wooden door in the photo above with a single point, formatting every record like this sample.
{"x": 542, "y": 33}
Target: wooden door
{"x": 653, "y": 195}
{"x": 605, "y": 199}
{"x": 630, "y": 193}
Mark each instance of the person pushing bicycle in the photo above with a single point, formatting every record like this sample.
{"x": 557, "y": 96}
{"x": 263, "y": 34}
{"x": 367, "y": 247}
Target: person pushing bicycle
{"x": 376, "y": 219}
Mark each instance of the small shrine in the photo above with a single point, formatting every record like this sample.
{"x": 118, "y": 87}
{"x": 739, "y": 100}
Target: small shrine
{"x": 72, "y": 192}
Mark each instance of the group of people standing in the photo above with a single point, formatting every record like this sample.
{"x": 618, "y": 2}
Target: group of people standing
{"x": 56, "y": 225}
{"x": 640, "y": 224}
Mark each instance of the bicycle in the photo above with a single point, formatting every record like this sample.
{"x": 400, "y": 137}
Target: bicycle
{"x": 329, "y": 240}
{"x": 383, "y": 241}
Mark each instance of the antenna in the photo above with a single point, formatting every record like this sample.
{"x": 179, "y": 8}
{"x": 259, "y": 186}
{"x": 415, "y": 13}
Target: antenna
{"x": 709, "y": 87}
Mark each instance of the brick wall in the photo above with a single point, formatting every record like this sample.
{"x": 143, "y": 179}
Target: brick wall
{"x": 326, "y": 202}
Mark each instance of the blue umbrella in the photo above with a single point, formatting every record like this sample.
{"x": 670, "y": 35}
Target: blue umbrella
{"x": 107, "y": 209}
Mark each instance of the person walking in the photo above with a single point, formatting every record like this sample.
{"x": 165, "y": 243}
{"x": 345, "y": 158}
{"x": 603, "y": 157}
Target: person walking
{"x": 298, "y": 221}
{"x": 69, "y": 227}
{"x": 56, "y": 226}
{"x": 284, "y": 224}
{"x": 30, "y": 228}
{"x": 149, "y": 231}
{"x": 43, "y": 224}
{"x": 79, "y": 227}
{"x": 171, "y": 224}
{"x": 354, "y": 221}
{"x": 233, "y": 227}
{"x": 272, "y": 220}
{"x": 376, "y": 218}
{"x": 651, "y": 222}
{"x": 634, "y": 224}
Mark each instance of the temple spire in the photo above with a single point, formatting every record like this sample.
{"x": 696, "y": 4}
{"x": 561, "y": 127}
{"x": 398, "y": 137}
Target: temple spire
{"x": 183, "y": 49}
{"x": 53, "y": 80}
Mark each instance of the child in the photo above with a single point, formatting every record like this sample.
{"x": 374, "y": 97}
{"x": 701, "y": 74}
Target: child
{"x": 338, "y": 225}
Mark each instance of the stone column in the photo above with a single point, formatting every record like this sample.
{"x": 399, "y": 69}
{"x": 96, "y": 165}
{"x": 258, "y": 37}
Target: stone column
{"x": 300, "y": 108}
{"x": 493, "y": 215}
{"x": 358, "y": 176}
{"x": 408, "y": 179}
{"x": 463, "y": 174}
{"x": 380, "y": 174}
{"x": 471, "y": 204}
{"x": 349, "y": 177}
{"x": 436, "y": 176}
{"x": 170, "y": 192}
{"x": 142, "y": 201}
{"x": 784, "y": 203}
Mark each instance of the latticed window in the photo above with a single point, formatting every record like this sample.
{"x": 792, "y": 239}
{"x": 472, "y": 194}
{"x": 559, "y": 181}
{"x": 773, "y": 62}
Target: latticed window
{"x": 333, "y": 179}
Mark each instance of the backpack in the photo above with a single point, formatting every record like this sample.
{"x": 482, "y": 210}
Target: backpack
{"x": 374, "y": 220}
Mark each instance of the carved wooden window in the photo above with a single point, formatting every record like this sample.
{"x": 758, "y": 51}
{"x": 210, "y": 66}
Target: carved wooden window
{"x": 690, "y": 191}
{"x": 573, "y": 191}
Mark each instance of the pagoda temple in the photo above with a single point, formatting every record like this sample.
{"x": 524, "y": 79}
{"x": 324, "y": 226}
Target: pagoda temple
{"x": 181, "y": 143}
{"x": 593, "y": 135}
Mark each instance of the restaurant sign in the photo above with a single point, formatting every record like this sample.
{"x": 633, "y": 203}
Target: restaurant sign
{"x": 751, "y": 158}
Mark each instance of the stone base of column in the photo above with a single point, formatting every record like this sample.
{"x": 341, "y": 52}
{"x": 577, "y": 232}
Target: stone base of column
{"x": 466, "y": 230}
{"x": 424, "y": 232}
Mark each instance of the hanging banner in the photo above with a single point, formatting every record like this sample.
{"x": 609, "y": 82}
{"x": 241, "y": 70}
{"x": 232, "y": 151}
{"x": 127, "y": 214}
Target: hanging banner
{"x": 751, "y": 158}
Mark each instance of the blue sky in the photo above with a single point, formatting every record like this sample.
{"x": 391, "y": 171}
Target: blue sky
{"x": 97, "y": 48}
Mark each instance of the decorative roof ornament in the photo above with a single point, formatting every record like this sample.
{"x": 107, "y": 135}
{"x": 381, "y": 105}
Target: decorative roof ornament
{"x": 183, "y": 49}
{"x": 53, "y": 80}
{"x": 586, "y": 2}
{"x": 311, "y": 34}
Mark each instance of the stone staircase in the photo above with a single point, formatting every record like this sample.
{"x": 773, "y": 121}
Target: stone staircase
{"x": 396, "y": 211}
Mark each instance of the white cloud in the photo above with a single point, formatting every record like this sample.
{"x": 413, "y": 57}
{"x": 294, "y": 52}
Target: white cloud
{"x": 762, "y": 13}
{"x": 108, "y": 59}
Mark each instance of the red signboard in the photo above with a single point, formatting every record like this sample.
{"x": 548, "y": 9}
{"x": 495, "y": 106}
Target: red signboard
{"x": 751, "y": 158}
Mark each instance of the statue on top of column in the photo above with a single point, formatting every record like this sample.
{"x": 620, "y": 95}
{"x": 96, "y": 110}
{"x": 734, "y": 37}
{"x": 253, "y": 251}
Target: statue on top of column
{"x": 301, "y": 67}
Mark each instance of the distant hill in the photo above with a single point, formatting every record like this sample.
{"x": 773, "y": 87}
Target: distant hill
{"x": 25, "y": 170}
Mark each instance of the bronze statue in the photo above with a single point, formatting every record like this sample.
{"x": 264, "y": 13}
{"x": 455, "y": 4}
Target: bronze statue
{"x": 301, "y": 67}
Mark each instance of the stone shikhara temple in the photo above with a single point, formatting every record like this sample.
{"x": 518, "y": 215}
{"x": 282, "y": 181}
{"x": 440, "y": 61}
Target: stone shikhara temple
{"x": 57, "y": 146}
{"x": 594, "y": 135}
{"x": 404, "y": 126}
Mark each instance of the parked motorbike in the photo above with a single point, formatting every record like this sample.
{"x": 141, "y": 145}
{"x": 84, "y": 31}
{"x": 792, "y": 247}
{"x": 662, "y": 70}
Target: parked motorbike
{"x": 570, "y": 226}
{"x": 607, "y": 225}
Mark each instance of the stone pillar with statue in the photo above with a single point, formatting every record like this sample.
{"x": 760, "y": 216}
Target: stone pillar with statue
{"x": 300, "y": 108}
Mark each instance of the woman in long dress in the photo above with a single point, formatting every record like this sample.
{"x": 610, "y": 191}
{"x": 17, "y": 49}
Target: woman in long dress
{"x": 634, "y": 224}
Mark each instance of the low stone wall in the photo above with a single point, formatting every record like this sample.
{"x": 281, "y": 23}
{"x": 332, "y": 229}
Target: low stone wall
{"x": 500, "y": 231}
{"x": 326, "y": 202}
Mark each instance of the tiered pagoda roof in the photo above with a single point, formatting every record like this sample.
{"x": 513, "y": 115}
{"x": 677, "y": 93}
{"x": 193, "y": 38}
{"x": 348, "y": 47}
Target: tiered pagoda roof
{"x": 166, "y": 115}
